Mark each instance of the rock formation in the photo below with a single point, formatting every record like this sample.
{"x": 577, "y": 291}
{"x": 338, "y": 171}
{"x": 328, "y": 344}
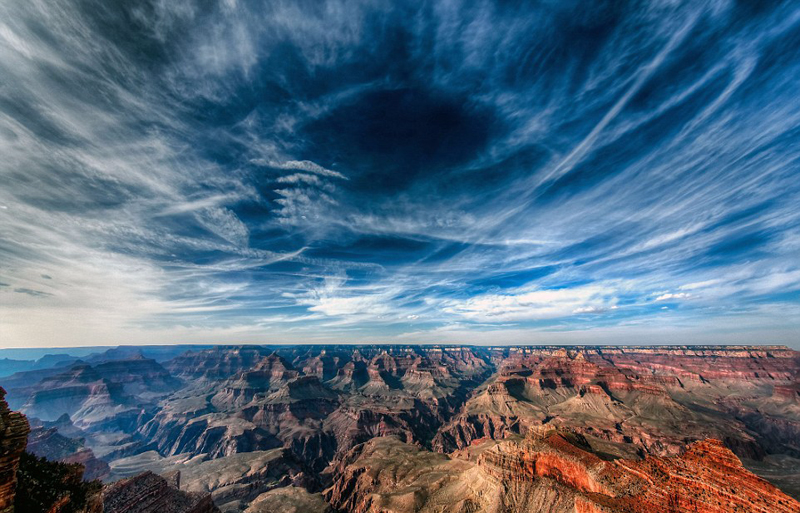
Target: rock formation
{"x": 49, "y": 443}
{"x": 97, "y": 396}
{"x": 216, "y": 363}
{"x": 556, "y": 473}
{"x": 289, "y": 499}
{"x": 13, "y": 436}
{"x": 402, "y": 428}
{"x": 648, "y": 397}
{"x": 151, "y": 493}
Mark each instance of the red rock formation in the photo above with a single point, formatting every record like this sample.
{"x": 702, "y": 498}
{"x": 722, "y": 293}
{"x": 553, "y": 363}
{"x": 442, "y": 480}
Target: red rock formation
{"x": 269, "y": 373}
{"x": 554, "y": 473}
{"x": 318, "y": 403}
{"x": 637, "y": 396}
{"x": 707, "y": 477}
{"x": 13, "y": 436}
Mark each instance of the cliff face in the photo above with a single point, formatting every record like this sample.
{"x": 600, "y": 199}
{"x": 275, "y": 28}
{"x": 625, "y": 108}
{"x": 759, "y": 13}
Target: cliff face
{"x": 556, "y": 474}
{"x": 13, "y": 436}
{"x": 49, "y": 443}
{"x": 265, "y": 401}
{"x": 151, "y": 493}
{"x": 217, "y": 363}
{"x": 399, "y": 428}
{"x": 32, "y": 483}
{"x": 707, "y": 477}
{"x": 656, "y": 399}
{"x": 96, "y": 396}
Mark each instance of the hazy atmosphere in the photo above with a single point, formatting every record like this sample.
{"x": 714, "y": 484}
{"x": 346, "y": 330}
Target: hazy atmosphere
{"x": 404, "y": 172}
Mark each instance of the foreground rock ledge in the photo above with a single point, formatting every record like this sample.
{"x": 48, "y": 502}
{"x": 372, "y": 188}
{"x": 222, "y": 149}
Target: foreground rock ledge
{"x": 13, "y": 437}
{"x": 149, "y": 492}
{"x": 555, "y": 472}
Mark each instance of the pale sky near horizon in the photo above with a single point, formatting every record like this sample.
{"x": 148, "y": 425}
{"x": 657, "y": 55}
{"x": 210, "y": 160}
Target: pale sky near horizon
{"x": 477, "y": 172}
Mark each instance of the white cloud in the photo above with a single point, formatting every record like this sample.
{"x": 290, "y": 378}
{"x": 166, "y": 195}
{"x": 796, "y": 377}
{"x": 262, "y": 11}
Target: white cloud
{"x": 300, "y": 165}
{"x": 225, "y": 224}
{"x": 591, "y": 309}
{"x": 307, "y": 196}
{"x": 359, "y": 305}
{"x": 672, "y": 296}
{"x": 301, "y": 178}
{"x": 666, "y": 238}
{"x": 535, "y": 304}
{"x": 700, "y": 284}
{"x": 335, "y": 299}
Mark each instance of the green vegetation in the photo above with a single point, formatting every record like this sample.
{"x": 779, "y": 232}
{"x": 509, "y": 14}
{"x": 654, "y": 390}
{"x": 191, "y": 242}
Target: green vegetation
{"x": 43, "y": 484}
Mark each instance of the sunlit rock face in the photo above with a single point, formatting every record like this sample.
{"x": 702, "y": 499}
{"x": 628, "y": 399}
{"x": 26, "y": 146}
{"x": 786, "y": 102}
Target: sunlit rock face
{"x": 416, "y": 428}
{"x": 557, "y": 473}
{"x": 653, "y": 398}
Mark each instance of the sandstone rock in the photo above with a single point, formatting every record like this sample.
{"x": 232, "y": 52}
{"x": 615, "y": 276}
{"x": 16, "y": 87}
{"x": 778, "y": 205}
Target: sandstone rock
{"x": 557, "y": 473}
{"x": 290, "y": 499}
{"x": 13, "y": 436}
{"x": 322, "y": 405}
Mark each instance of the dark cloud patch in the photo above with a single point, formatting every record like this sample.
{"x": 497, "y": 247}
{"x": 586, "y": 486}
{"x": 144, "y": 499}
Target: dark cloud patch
{"x": 739, "y": 244}
{"x": 32, "y": 292}
{"x": 505, "y": 280}
{"x": 388, "y": 139}
{"x": 375, "y": 249}
{"x": 447, "y": 251}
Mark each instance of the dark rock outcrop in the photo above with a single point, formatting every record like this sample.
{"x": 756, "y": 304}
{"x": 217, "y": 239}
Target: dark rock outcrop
{"x": 151, "y": 493}
{"x": 216, "y": 363}
{"x": 49, "y": 443}
{"x": 13, "y": 436}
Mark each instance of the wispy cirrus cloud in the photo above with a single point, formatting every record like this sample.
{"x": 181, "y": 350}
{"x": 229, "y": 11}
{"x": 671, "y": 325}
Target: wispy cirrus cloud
{"x": 357, "y": 170}
{"x": 536, "y": 304}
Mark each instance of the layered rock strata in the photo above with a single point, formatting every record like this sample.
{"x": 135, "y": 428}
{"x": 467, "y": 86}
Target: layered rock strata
{"x": 13, "y": 437}
{"x": 557, "y": 473}
{"x": 151, "y": 493}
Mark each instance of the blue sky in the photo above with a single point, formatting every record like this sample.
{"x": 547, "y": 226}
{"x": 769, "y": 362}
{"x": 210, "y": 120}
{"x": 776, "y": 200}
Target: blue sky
{"x": 446, "y": 171}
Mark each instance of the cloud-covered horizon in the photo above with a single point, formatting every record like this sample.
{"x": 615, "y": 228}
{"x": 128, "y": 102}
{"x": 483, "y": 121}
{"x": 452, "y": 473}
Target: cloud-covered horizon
{"x": 370, "y": 171}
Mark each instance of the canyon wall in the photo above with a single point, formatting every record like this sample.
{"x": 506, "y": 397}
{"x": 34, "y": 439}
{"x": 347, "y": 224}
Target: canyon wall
{"x": 13, "y": 436}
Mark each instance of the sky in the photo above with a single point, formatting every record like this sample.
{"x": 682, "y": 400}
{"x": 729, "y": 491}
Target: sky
{"x": 482, "y": 172}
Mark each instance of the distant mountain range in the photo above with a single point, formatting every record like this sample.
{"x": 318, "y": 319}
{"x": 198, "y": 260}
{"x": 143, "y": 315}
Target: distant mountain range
{"x": 22, "y": 359}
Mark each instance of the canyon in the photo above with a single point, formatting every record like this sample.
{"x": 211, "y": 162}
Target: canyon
{"x": 422, "y": 428}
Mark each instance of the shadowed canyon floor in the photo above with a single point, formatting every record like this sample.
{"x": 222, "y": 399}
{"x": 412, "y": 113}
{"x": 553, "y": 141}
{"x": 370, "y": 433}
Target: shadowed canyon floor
{"x": 431, "y": 428}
